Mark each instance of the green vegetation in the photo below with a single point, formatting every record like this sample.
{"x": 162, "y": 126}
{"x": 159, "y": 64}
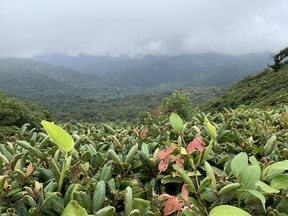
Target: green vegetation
{"x": 234, "y": 161}
{"x": 175, "y": 160}
{"x": 263, "y": 90}
{"x": 15, "y": 113}
{"x": 117, "y": 89}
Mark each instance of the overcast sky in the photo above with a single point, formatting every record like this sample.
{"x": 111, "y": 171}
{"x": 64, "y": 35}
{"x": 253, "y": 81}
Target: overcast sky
{"x": 30, "y": 27}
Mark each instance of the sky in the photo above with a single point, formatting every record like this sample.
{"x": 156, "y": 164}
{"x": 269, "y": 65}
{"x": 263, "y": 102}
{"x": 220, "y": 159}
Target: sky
{"x": 140, "y": 27}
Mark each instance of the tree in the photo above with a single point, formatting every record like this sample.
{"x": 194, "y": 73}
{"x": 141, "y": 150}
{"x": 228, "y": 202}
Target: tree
{"x": 178, "y": 102}
{"x": 278, "y": 58}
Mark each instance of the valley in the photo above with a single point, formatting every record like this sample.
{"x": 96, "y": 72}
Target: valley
{"x": 99, "y": 89}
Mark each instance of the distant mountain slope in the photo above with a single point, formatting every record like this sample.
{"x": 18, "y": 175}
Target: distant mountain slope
{"x": 267, "y": 88}
{"x": 69, "y": 94}
{"x": 29, "y": 78}
{"x": 150, "y": 71}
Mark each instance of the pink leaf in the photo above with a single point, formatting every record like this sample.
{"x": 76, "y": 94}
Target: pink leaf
{"x": 179, "y": 161}
{"x": 171, "y": 205}
{"x": 163, "y": 165}
{"x": 164, "y": 196}
{"x": 196, "y": 143}
{"x": 163, "y": 153}
{"x": 184, "y": 192}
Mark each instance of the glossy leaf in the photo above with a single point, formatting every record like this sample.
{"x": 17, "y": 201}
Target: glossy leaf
{"x": 279, "y": 182}
{"x": 176, "y": 123}
{"x": 59, "y": 135}
{"x": 266, "y": 188}
{"x": 250, "y": 176}
{"x": 210, "y": 173}
{"x": 227, "y": 210}
{"x": 239, "y": 163}
{"x": 211, "y": 128}
{"x": 274, "y": 169}
{"x": 258, "y": 195}
{"x": 74, "y": 209}
{"x": 268, "y": 148}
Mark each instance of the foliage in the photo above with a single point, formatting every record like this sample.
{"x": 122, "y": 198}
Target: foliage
{"x": 266, "y": 89}
{"x": 14, "y": 113}
{"x": 178, "y": 102}
{"x": 117, "y": 89}
{"x": 234, "y": 161}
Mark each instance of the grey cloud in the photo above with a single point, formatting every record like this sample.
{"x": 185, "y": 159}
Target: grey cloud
{"x": 144, "y": 26}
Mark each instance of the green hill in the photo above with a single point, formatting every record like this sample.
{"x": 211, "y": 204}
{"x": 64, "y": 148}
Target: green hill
{"x": 267, "y": 88}
{"x": 69, "y": 94}
{"x": 15, "y": 113}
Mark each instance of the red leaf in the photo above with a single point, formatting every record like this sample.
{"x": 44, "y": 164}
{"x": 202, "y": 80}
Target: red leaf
{"x": 184, "y": 192}
{"x": 143, "y": 133}
{"x": 171, "y": 205}
{"x": 196, "y": 143}
{"x": 163, "y": 153}
{"x": 163, "y": 165}
{"x": 164, "y": 196}
{"x": 179, "y": 161}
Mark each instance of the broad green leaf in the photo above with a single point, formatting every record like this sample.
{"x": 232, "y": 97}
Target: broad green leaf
{"x": 2, "y": 181}
{"x": 250, "y": 176}
{"x": 74, "y": 209}
{"x": 275, "y": 169}
{"x": 211, "y": 128}
{"x": 187, "y": 213}
{"x": 176, "y": 123}
{"x": 142, "y": 205}
{"x": 106, "y": 211}
{"x": 227, "y": 210}
{"x": 210, "y": 173}
{"x": 59, "y": 135}
{"x": 268, "y": 148}
{"x": 258, "y": 195}
{"x": 229, "y": 188}
{"x": 266, "y": 188}
{"x": 279, "y": 182}
{"x": 239, "y": 163}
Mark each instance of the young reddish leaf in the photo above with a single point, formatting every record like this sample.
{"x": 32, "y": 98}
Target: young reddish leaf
{"x": 164, "y": 196}
{"x": 179, "y": 161}
{"x": 171, "y": 205}
{"x": 163, "y": 165}
{"x": 184, "y": 192}
{"x": 163, "y": 153}
{"x": 196, "y": 143}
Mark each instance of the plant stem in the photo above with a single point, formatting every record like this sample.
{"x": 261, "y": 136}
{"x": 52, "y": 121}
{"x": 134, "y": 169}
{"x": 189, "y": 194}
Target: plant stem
{"x": 64, "y": 167}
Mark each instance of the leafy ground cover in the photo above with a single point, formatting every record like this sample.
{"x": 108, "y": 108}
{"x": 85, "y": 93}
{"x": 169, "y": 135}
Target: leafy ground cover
{"x": 235, "y": 161}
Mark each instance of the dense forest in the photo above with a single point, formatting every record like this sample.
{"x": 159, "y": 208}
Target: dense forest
{"x": 117, "y": 89}
{"x": 231, "y": 159}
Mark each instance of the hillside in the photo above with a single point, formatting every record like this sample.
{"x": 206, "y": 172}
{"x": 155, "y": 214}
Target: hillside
{"x": 69, "y": 94}
{"x": 151, "y": 71}
{"x": 267, "y": 88}
{"x": 97, "y": 89}
{"x": 15, "y": 113}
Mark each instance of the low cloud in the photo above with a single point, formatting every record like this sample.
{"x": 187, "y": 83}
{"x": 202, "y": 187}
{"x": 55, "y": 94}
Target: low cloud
{"x": 141, "y": 27}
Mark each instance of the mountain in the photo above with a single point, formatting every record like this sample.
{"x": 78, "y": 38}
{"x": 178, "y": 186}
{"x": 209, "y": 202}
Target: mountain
{"x": 151, "y": 71}
{"x": 119, "y": 88}
{"x": 27, "y": 77}
{"x": 265, "y": 89}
